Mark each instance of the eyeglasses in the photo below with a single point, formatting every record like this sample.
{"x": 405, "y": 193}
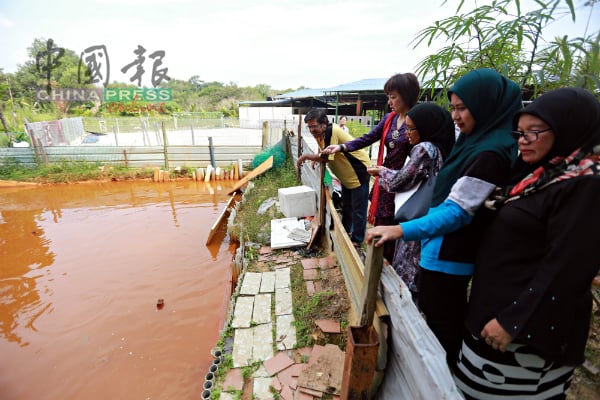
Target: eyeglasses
{"x": 408, "y": 129}
{"x": 529, "y": 136}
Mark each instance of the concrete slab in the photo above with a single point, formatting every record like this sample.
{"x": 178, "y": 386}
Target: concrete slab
{"x": 251, "y": 283}
{"x": 267, "y": 283}
{"x": 242, "y": 347}
{"x": 260, "y": 389}
{"x": 286, "y": 332}
{"x": 281, "y": 228}
{"x": 262, "y": 347}
{"x": 261, "y": 372}
{"x": 282, "y": 278}
{"x": 262, "y": 309}
{"x": 283, "y": 301}
{"x": 228, "y": 396}
{"x": 242, "y": 315}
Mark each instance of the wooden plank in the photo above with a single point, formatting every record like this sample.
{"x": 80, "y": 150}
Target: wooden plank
{"x": 262, "y": 168}
{"x": 220, "y": 218}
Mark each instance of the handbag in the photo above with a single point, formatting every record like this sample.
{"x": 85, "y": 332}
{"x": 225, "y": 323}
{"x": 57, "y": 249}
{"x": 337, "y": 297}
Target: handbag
{"x": 415, "y": 202}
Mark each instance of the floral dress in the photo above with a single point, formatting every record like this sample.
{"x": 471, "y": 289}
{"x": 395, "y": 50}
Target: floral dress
{"x": 407, "y": 254}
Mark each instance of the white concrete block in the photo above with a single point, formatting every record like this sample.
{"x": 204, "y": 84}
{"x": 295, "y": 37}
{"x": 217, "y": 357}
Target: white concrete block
{"x": 297, "y": 201}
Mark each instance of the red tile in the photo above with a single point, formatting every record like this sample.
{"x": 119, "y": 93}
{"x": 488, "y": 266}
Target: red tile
{"x": 277, "y": 363}
{"x": 318, "y": 286}
{"x": 233, "y": 380}
{"x": 276, "y": 384}
{"x": 328, "y": 262}
{"x": 287, "y": 393}
{"x": 296, "y": 369}
{"x": 264, "y": 250}
{"x": 305, "y": 351}
{"x": 329, "y": 326}
{"x": 310, "y": 263}
{"x": 311, "y": 274}
{"x": 310, "y": 288}
{"x": 286, "y": 378}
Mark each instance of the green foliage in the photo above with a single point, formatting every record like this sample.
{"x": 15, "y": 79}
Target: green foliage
{"x": 502, "y": 36}
{"x": 357, "y": 129}
{"x": 68, "y": 171}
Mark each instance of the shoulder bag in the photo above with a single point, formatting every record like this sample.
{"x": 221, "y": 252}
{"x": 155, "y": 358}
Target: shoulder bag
{"x": 415, "y": 202}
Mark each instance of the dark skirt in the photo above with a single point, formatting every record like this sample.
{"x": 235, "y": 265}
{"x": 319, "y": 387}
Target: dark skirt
{"x": 518, "y": 373}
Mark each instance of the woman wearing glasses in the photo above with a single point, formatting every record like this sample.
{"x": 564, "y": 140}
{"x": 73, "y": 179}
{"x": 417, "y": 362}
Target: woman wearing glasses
{"x": 530, "y": 303}
{"x": 483, "y": 103}
{"x": 430, "y": 131}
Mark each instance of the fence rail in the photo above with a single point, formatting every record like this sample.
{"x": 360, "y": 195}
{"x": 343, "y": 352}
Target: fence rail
{"x": 134, "y": 157}
{"x": 196, "y": 148}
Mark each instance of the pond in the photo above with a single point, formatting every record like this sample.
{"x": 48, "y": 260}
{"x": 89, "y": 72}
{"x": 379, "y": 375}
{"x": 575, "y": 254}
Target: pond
{"x": 82, "y": 268}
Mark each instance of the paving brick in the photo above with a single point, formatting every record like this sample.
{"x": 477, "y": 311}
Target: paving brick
{"x": 242, "y": 347}
{"x": 286, "y": 332}
{"x": 282, "y": 278}
{"x": 311, "y": 274}
{"x": 287, "y": 393}
{"x": 251, "y": 283}
{"x": 267, "y": 284}
{"x": 228, "y": 396}
{"x": 287, "y": 379}
{"x": 277, "y": 363}
{"x": 262, "y": 347}
{"x": 310, "y": 263}
{"x": 328, "y": 262}
{"x": 329, "y": 326}
{"x": 261, "y": 372}
{"x": 242, "y": 315}
{"x": 265, "y": 250}
{"x": 276, "y": 384}
{"x": 283, "y": 301}
{"x": 261, "y": 313}
{"x": 260, "y": 389}
{"x": 318, "y": 286}
{"x": 310, "y": 288}
{"x": 233, "y": 380}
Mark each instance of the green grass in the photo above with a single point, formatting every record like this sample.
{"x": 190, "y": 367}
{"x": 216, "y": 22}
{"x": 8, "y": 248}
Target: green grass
{"x": 69, "y": 171}
{"x": 254, "y": 227}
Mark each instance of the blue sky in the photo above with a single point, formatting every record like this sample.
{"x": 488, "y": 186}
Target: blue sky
{"x": 281, "y": 43}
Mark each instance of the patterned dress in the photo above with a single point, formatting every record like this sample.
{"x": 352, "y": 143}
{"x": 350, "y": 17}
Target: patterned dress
{"x": 422, "y": 156}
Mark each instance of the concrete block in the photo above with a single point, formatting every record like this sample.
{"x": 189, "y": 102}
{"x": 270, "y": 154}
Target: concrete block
{"x": 297, "y": 201}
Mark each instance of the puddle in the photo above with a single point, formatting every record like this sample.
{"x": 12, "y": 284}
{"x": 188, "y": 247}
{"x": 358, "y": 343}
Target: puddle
{"x": 82, "y": 269}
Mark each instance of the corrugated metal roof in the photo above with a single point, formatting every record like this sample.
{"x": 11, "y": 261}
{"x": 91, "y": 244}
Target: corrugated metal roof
{"x": 364, "y": 85}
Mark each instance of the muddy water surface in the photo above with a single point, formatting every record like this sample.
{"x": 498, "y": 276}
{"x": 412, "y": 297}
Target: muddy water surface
{"x": 81, "y": 269}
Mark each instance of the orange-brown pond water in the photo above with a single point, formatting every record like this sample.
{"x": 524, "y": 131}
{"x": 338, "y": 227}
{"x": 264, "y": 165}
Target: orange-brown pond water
{"x": 81, "y": 269}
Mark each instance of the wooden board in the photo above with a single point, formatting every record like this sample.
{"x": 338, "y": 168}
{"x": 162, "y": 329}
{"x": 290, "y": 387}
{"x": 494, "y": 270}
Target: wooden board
{"x": 219, "y": 220}
{"x": 262, "y": 168}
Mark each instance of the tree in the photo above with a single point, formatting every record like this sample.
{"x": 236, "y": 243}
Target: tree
{"x": 503, "y": 37}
